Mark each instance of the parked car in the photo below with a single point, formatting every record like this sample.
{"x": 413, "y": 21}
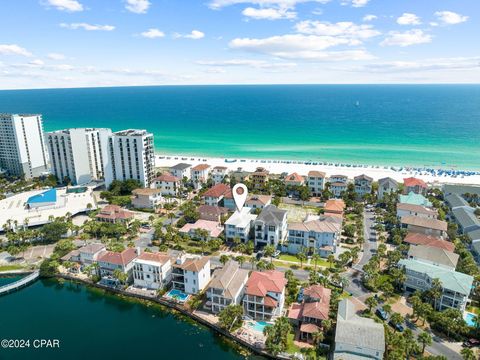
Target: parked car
{"x": 382, "y": 314}
{"x": 471, "y": 343}
{"x": 300, "y": 295}
{"x": 259, "y": 255}
{"x": 398, "y": 327}
{"x": 276, "y": 254}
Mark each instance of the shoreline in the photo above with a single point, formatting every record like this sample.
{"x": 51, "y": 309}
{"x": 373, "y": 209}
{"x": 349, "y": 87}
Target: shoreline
{"x": 431, "y": 175}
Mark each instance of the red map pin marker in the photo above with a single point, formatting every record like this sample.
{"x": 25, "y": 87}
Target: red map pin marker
{"x": 240, "y": 192}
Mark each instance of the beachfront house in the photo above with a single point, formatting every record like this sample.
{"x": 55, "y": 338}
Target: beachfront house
{"x": 456, "y": 286}
{"x": 240, "y": 225}
{"x": 255, "y": 202}
{"x": 319, "y": 236}
{"x": 270, "y": 227}
{"x": 212, "y": 213}
{"x": 386, "y": 185}
{"x": 181, "y": 171}
{"x": 264, "y": 294}
{"x": 239, "y": 176}
{"x": 425, "y": 226}
{"x": 202, "y": 229}
{"x": 259, "y": 177}
{"x": 307, "y": 317}
{"x": 357, "y": 337}
{"x": 416, "y": 210}
{"x": 414, "y": 199}
{"x": 152, "y": 271}
{"x": 145, "y": 198}
{"x": 456, "y": 201}
{"x": 114, "y": 214}
{"x": 316, "y": 182}
{"x": 294, "y": 180}
{"x": 168, "y": 184}
{"x": 227, "y": 286}
{"x": 417, "y": 186}
{"x": 109, "y": 261}
{"x": 218, "y": 174}
{"x": 215, "y": 194}
{"x": 338, "y": 184}
{"x": 199, "y": 174}
{"x": 414, "y": 239}
{"x": 89, "y": 253}
{"x": 363, "y": 185}
{"x": 190, "y": 274}
{"x": 228, "y": 201}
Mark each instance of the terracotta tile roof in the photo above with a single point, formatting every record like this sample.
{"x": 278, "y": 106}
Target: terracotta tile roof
{"x": 294, "y": 178}
{"x": 269, "y": 301}
{"x": 318, "y": 292}
{"x": 314, "y": 173}
{"x": 309, "y": 328}
{"x": 193, "y": 264}
{"x": 213, "y": 227}
{"x": 428, "y": 240}
{"x": 424, "y": 222}
{"x": 118, "y": 258}
{"x": 411, "y": 181}
{"x": 158, "y": 257}
{"x": 217, "y": 191}
{"x": 146, "y": 191}
{"x": 334, "y": 206}
{"x": 114, "y": 212}
{"x": 258, "y": 199}
{"x": 295, "y": 311}
{"x": 260, "y": 283}
{"x": 220, "y": 168}
{"x": 167, "y": 178}
{"x": 201, "y": 167}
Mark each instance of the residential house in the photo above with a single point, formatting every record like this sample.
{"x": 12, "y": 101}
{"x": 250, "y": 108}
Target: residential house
{"x": 109, "y": 261}
{"x": 416, "y": 210}
{"x": 218, "y": 174}
{"x": 415, "y": 239}
{"x": 259, "y": 177}
{"x": 264, "y": 294}
{"x": 213, "y": 229}
{"x": 461, "y": 189}
{"x": 212, "y": 213}
{"x": 417, "y": 186}
{"x": 240, "y": 225}
{"x": 386, "y": 186}
{"x": 199, "y": 174}
{"x": 114, "y": 214}
{"x": 168, "y": 184}
{"x": 89, "y": 253}
{"x": 145, "y": 198}
{"x": 190, "y": 274}
{"x": 239, "y": 176}
{"x": 434, "y": 255}
{"x": 311, "y": 312}
{"x": 319, "y": 236}
{"x": 424, "y": 226}
{"x": 227, "y": 286}
{"x": 456, "y": 201}
{"x": 357, "y": 337}
{"x": 258, "y": 201}
{"x": 456, "y": 286}
{"x": 294, "y": 180}
{"x": 270, "y": 227}
{"x": 181, "y": 171}
{"x": 334, "y": 207}
{"x": 338, "y": 184}
{"x": 363, "y": 185}
{"x": 414, "y": 199}
{"x": 215, "y": 194}
{"x": 228, "y": 201}
{"x": 466, "y": 219}
{"x": 152, "y": 270}
{"x": 316, "y": 182}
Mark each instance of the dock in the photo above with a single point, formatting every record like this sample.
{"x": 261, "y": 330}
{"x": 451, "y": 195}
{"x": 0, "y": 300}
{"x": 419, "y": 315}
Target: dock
{"x": 17, "y": 285}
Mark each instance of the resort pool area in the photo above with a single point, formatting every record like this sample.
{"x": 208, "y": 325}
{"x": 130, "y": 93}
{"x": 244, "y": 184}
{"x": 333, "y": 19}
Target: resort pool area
{"x": 469, "y": 319}
{"x": 178, "y": 295}
{"x": 259, "y": 325}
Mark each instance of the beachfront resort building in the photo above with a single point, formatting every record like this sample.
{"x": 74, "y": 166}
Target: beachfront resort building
{"x": 270, "y": 227}
{"x": 218, "y": 174}
{"x": 416, "y": 210}
{"x": 338, "y": 184}
{"x": 168, "y": 184}
{"x": 357, "y": 337}
{"x": 425, "y": 226}
{"x": 417, "y": 186}
{"x": 190, "y": 274}
{"x": 146, "y": 198}
{"x": 199, "y": 174}
{"x": 316, "y": 182}
{"x": 456, "y": 286}
{"x": 131, "y": 156}
{"x": 202, "y": 229}
{"x": 109, "y": 261}
{"x": 227, "y": 286}
{"x": 181, "y": 171}
{"x": 264, "y": 294}
{"x": 386, "y": 186}
{"x": 215, "y": 194}
{"x": 294, "y": 180}
{"x": 22, "y": 147}
{"x": 114, "y": 214}
{"x": 255, "y": 202}
{"x": 319, "y": 235}
{"x": 363, "y": 185}
{"x": 259, "y": 177}
{"x": 240, "y": 225}
{"x": 152, "y": 271}
{"x": 212, "y": 213}
{"x": 78, "y": 155}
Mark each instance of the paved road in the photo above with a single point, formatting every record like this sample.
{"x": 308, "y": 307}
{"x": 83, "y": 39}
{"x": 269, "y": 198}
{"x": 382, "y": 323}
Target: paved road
{"x": 370, "y": 236}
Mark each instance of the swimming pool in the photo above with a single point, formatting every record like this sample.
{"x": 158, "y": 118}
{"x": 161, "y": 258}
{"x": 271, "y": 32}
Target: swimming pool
{"x": 259, "y": 325}
{"x": 470, "y": 319}
{"x": 178, "y": 295}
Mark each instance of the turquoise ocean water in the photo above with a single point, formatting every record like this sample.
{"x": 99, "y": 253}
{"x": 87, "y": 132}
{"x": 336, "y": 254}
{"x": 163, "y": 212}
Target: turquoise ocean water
{"x": 434, "y": 125}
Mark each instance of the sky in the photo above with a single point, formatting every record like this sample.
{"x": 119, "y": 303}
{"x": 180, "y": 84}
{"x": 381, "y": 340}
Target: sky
{"x": 89, "y": 43}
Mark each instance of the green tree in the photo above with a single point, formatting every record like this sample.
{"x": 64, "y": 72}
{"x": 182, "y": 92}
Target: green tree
{"x": 224, "y": 258}
{"x": 269, "y": 251}
{"x": 425, "y": 339}
{"x": 468, "y": 354}
{"x": 396, "y": 319}
{"x": 231, "y": 317}
{"x": 277, "y": 335}
{"x": 371, "y": 303}
{"x": 301, "y": 256}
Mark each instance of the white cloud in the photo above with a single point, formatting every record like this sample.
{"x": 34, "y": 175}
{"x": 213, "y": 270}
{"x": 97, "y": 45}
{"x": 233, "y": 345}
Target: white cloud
{"x": 247, "y": 62}
{"x": 344, "y": 29}
{"x": 194, "y": 35}
{"x": 269, "y": 13}
{"x": 458, "y": 63}
{"x": 450, "y": 17}
{"x": 56, "y": 56}
{"x": 36, "y": 62}
{"x": 217, "y": 4}
{"x": 88, "y": 27}
{"x": 153, "y": 34}
{"x": 13, "y": 49}
{"x": 65, "y": 5}
{"x": 407, "y": 38}
{"x": 137, "y": 6}
{"x": 370, "y": 17}
{"x": 355, "y": 3}
{"x": 408, "y": 19}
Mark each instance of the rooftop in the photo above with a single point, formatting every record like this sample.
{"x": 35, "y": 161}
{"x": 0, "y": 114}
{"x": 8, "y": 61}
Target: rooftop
{"x": 201, "y": 167}
{"x": 212, "y": 210}
{"x": 314, "y": 173}
{"x": 118, "y": 258}
{"x": 241, "y": 219}
{"x": 435, "y": 255}
{"x": 461, "y": 189}
{"x": 213, "y": 227}
{"x": 294, "y": 178}
{"x": 363, "y": 177}
{"x": 428, "y": 240}
{"x": 272, "y": 214}
{"x": 260, "y": 283}
{"x": 424, "y": 222}
{"x": 217, "y": 191}
{"x": 167, "y": 178}
{"x": 114, "y": 212}
{"x": 230, "y": 278}
{"x": 387, "y": 179}
{"x": 258, "y": 200}
{"x": 133, "y": 132}
{"x": 456, "y": 200}
{"x": 411, "y": 181}
{"x": 334, "y": 205}
{"x": 194, "y": 264}
{"x": 156, "y": 258}
{"x": 417, "y": 209}
{"x": 181, "y": 166}
{"x": 318, "y": 225}
{"x": 92, "y": 248}
{"x": 146, "y": 191}
{"x": 465, "y": 217}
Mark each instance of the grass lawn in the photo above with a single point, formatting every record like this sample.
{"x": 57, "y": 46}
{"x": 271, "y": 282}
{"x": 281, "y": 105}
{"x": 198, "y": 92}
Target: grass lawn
{"x": 10, "y": 267}
{"x": 384, "y": 278}
{"x": 291, "y": 347}
{"x": 288, "y": 257}
{"x": 473, "y": 309}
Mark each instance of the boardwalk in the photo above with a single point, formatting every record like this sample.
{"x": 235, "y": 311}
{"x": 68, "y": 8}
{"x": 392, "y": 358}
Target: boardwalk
{"x": 5, "y": 289}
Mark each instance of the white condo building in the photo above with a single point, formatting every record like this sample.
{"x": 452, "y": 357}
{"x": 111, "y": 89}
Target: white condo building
{"x": 80, "y": 155}
{"x": 152, "y": 270}
{"x": 22, "y": 146}
{"x": 132, "y": 156}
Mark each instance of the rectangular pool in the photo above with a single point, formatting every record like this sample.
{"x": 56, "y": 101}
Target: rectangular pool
{"x": 178, "y": 295}
{"x": 470, "y": 319}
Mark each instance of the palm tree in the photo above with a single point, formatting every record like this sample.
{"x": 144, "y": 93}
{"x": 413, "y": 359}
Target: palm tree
{"x": 317, "y": 338}
{"x": 331, "y": 260}
{"x": 253, "y": 261}
{"x": 302, "y": 257}
{"x": 371, "y": 303}
{"x": 224, "y": 259}
{"x": 425, "y": 339}
{"x": 261, "y": 265}
{"x": 269, "y": 250}
{"x": 468, "y": 354}
{"x": 315, "y": 258}
{"x": 396, "y": 319}
{"x": 240, "y": 259}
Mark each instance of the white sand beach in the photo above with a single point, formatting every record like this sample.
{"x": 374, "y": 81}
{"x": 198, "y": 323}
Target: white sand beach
{"x": 431, "y": 176}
